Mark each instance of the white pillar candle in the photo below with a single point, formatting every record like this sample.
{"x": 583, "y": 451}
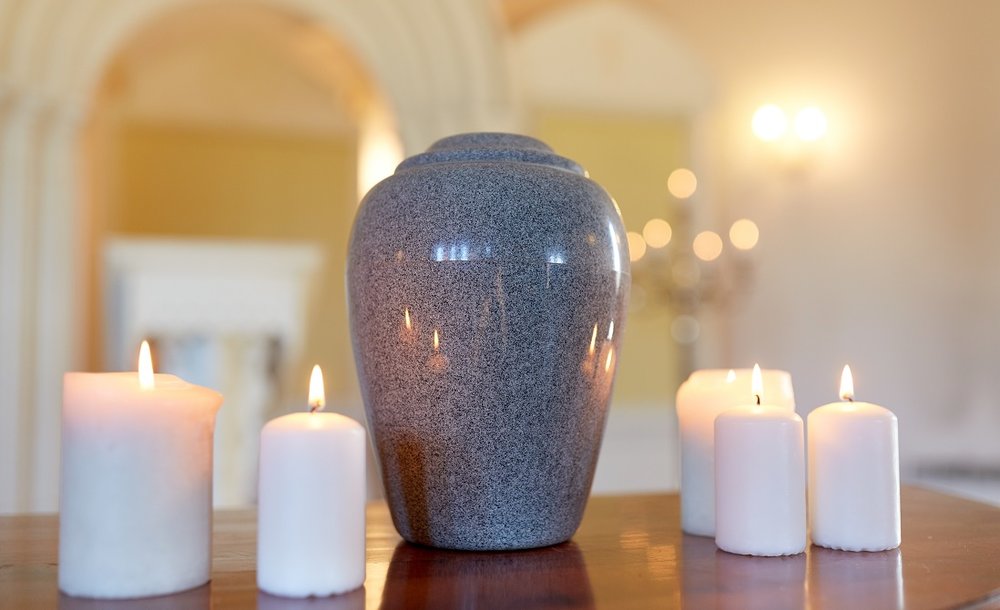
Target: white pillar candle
{"x": 854, "y": 474}
{"x": 699, "y": 400}
{"x": 311, "y": 513}
{"x": 760, "y": 489}
{"x": 136, "y": 487}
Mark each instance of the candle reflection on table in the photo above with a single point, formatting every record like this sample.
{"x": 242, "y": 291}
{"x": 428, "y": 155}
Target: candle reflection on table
{"x": 714, "y": 578}
{"x": 846, "y": 579}
{"x": 352, "y": 600}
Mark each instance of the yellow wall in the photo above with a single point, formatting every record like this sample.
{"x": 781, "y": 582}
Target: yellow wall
{"x": 631, "y": 157}
{"x": 174, "y": 180}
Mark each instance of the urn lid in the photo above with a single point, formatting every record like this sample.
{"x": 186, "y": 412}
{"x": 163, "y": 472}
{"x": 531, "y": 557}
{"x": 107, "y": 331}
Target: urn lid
{"x": 491, "y": 146}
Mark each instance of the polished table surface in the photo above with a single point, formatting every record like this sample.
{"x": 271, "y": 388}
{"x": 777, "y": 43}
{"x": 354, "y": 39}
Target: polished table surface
{"x": 629, "y": 553}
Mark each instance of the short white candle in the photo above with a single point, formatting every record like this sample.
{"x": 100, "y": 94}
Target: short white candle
{"x": 699, "y": 400}
{"x": 854, "y": 474}
{"x": 311, "y": 513}
{"x": 760, "y": 487}
{"x": 136, "y": 487}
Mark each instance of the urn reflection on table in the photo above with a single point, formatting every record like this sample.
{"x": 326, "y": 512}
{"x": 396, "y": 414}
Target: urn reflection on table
{"x": 487, "y": 284}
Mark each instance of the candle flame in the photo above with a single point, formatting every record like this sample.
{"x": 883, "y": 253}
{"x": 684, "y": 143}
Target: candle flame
{"x": 757, "y": 383}
{"x": 406, "y": 319}
{"x": 317, "y": 393}
{"x": 731, "y": 376}
{"x": 146, "y": 379}
{"x": 437, "y": 341}
{"x": 847, "y": 384}
{"x": 593, "y": 340}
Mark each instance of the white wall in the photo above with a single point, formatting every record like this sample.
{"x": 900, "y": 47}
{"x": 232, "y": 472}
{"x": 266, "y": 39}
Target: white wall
{"x": 879, "y": 250}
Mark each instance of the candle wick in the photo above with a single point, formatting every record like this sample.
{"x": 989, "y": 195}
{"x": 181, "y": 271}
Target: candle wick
{"x": 757, "y": 396}
{"x": 313, "y": 408}
{"x": 850, "y": 399}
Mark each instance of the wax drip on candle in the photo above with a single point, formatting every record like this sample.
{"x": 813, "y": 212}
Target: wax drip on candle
{"x": 757, "y": 383}
{"x": 847, "y": 385}
{"x": 317, "y": 394}
{"x": 146, "y": 379}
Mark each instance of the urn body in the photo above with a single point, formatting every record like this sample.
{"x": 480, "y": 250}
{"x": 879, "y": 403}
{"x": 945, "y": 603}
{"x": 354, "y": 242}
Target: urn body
{"x": 487, "y": 285}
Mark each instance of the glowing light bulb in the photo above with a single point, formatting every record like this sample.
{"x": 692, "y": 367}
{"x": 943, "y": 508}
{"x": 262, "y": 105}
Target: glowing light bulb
{"x": 810, "y": 124}
{"x": 769, "y": 123}
{"x": 744, "y": 234}
{"x": 707, "y": 246}
{"x": 636, "y": 246}
{"x": 657, "y": 233}
{"x": 682, "y": 183}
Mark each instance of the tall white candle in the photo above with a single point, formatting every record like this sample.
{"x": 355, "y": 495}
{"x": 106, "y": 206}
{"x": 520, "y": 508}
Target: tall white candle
{"x": 760, "y": 487}
{"x": 699, "y": 400}
{"x": 136, "y": 487}
{"x": 311, "y": 513}
{"x": 854, "y": 474}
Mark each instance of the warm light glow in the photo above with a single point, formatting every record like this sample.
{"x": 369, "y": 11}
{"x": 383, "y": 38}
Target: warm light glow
{"x": 379, "y": 152}
{"x": 406, "y": 319}
{"x": 636, "y": 246}
{"x": 437, "y": 341}
{"x": 744, "y": 234}
{"x": 707, "y": 246}
{"x": 657, "y": 233}
{"x": 846, "y": 384}
{"x": 611, "y": 330}
{"x": 593, "y": 340}
{"x": 757, "y": 383}
{"x": 682, "y": 183}
{"x": 731, "y": 376}
{"x": 609, "y": 359}
{"x": 317, "y": 393}
{"x": 146, "y": 379}
{"x": 810, "y": 124}
{"x": 769, "y": 123}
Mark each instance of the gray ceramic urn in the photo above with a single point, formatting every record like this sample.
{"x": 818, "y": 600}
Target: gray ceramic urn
{"x": 487, "y": 285}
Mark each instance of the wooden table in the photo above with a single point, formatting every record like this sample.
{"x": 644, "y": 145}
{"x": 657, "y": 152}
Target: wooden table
{"x": 629, "y": 553}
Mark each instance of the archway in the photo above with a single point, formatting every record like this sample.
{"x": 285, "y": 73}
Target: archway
{"x": 438, "y": 63}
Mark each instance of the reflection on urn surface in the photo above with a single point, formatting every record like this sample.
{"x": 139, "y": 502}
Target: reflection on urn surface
{"x": 421, "y": 577}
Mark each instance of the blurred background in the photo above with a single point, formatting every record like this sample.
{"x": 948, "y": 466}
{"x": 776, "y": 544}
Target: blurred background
{"x": 805, "y": 185}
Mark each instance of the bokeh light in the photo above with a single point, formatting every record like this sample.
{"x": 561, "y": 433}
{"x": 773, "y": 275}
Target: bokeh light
{"x": 682, "y": 183}
{"x": 744, "y": 234}
{"x": 636, "y": 246}
{"x": 657, "y": 233}
{"x": 810, "y": 124}
{"x": 769, "y": 123}
{"x": 707, "y": 246}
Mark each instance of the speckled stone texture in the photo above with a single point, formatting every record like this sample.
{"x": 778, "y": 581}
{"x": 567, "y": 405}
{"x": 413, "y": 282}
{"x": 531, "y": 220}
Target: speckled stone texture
{"x": 487, "y": 285}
